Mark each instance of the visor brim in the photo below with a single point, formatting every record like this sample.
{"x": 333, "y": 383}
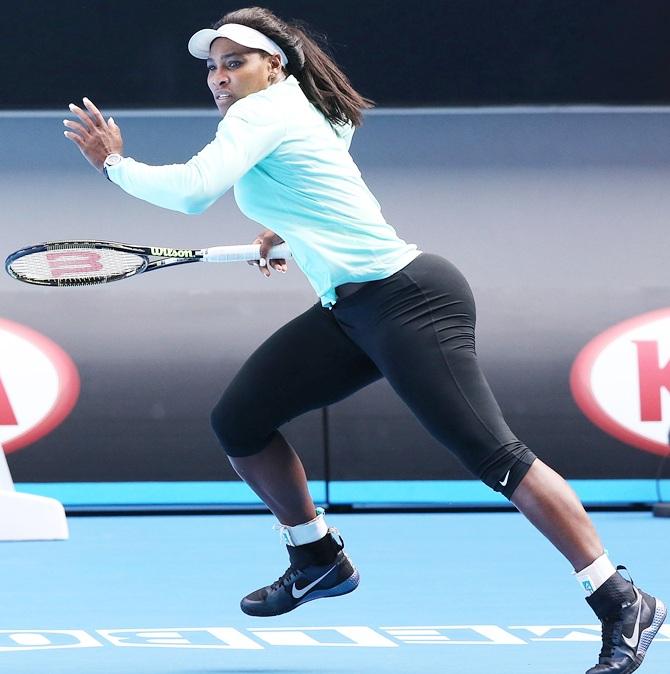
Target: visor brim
{"x": 201, "y": 41}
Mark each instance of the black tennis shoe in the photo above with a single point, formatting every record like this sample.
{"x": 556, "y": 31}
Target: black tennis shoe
{"x": 320, "y": 569}
{"x": 628, "y": 629}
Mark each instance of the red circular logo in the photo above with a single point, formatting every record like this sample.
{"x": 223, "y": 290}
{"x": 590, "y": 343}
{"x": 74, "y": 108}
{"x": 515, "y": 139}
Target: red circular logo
{"x": 39, "y": 385}
{"x": 621, "y": 381}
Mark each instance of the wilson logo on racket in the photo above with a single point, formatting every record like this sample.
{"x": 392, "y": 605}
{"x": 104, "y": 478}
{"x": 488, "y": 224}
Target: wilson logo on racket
{"x": 172, "y": 252}
{"x": 621, "y": 381}
{"x": 39, "y": 385}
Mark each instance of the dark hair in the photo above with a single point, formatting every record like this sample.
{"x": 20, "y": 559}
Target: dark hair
{"x": 324, "y": 84}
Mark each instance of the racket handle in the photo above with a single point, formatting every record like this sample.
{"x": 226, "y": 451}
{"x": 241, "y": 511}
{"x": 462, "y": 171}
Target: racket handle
{"x": 244, "y": 253}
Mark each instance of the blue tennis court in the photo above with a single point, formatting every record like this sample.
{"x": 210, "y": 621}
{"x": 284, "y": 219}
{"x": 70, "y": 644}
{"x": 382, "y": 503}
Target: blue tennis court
{"x": 440, "y": 592}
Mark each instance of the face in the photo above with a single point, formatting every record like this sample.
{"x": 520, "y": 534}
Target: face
{"x": 235, "y": 71}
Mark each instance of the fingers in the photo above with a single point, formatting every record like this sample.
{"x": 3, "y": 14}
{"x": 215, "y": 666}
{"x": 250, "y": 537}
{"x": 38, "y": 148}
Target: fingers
{"x": 83, "y": 116}
{"x": 75, "y": 138}
{"x": 265, "y": 245}
{"x": 91, "y": 117}
{"x": 265, "y": 265}
{"x": 75, "y": 126}
{"x": 266, "y": 241}
{"x": 96, "y": 115}
{"x": 261, "y": 263}
{"x": 116, "y": 132}
{"x": 255, "y": 242}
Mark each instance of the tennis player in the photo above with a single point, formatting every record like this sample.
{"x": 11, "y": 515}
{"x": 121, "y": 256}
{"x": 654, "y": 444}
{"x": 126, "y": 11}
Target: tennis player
{"x": 283, "y": 144}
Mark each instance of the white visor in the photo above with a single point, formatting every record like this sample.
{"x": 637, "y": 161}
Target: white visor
{"x": 201, "y": 41}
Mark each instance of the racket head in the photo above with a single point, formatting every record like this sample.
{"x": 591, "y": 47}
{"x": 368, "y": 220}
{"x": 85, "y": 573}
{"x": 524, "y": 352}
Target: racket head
{"x": 75, "y": 263}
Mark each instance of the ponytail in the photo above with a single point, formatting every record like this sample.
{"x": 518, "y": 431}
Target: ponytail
{"x": 321, "y": 80}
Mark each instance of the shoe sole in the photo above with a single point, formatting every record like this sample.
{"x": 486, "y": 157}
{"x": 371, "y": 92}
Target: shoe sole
{"x": 345, "y": 587}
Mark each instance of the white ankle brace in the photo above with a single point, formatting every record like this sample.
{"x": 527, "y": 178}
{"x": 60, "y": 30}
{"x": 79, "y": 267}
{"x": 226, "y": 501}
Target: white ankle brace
{"x": 300, "y": 534}
{"x": 594, "y": 575}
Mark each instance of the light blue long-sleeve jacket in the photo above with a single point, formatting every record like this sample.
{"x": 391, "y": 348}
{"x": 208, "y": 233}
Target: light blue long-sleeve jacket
{"x": 292, "y": 172}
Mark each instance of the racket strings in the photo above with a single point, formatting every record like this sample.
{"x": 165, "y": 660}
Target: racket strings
{"x": 70, "y": 245}
{"x": 67, "y": 264}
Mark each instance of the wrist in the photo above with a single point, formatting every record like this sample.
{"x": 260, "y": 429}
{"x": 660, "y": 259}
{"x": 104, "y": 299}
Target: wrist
{"x": 112, "y": 159}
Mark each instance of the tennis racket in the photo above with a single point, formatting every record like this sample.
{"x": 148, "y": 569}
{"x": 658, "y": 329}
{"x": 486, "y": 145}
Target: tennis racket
{"x": 79, "y": 263}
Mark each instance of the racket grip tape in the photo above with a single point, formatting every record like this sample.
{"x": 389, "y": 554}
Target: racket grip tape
{"x": 244, "y": 253}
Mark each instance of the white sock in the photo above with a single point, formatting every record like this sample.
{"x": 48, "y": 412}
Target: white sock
{"x": 300, "y": 534}
{"x": 594, "y": 575}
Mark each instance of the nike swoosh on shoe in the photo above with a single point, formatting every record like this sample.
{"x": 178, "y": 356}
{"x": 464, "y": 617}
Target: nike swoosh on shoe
{"x": 633, "y": 640}
{"x": 298, "y": 593}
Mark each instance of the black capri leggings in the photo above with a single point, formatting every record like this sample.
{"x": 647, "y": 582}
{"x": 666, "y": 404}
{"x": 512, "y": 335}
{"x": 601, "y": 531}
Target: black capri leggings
{"x": 417, "y": 329}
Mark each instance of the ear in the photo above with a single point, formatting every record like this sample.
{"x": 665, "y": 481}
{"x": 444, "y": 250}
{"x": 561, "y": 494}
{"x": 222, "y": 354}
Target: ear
{"x": 274, "y": 63}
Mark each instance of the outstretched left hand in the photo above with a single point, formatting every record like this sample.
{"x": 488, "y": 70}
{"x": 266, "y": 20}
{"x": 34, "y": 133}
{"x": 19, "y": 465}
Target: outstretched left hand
{"x": 95, "y": 137}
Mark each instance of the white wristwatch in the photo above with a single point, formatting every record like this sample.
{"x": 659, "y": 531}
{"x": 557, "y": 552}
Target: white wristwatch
{"x": 111, "y": 160}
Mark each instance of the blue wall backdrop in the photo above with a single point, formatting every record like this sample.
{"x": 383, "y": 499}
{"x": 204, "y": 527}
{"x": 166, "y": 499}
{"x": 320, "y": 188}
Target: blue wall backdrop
{"x": 558, "y": 220}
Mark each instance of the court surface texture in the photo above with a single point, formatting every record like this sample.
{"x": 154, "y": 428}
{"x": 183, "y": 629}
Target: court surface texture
{"x": 440, "y": 592}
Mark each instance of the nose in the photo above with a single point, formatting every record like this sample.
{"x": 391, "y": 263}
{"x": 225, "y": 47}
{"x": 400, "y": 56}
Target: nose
{"x": 218, "y": 77}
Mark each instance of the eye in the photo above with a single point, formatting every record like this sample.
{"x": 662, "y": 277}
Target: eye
{"x": 210, "y": 67}
{"x": 234, "y": 64}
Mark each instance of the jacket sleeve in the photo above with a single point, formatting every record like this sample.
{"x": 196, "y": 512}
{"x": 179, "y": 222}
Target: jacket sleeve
{"x": 250, "y": 131}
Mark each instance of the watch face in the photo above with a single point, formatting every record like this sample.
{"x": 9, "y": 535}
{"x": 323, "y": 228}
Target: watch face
{"x": 113, "y": 159}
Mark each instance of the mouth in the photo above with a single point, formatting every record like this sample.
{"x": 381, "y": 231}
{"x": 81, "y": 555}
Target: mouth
{"x": 222, "y": 96}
